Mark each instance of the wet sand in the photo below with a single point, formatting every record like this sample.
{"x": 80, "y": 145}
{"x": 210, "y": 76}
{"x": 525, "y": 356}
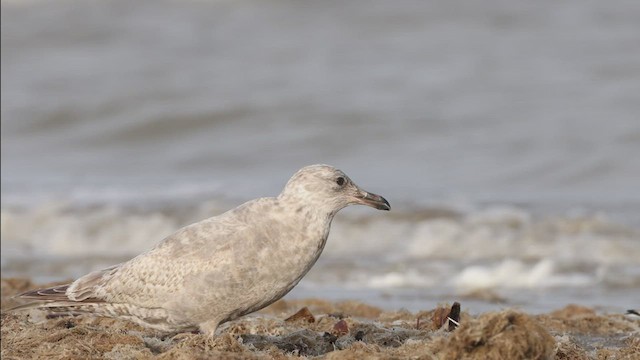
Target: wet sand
{"x": 328, "y": 330}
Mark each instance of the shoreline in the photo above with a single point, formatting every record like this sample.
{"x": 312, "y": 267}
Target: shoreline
{"x": 327, "y": 330}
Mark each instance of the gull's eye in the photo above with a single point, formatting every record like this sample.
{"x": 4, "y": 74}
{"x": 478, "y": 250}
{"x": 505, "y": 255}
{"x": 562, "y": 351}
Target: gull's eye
{"x": 340, "y": 181}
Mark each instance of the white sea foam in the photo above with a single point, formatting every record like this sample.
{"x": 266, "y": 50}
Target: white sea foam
{"x": 591, "y": 238}
{"x": 485, "y": 248}
{"x": 60, "y": 228}
{"x": 56, "y": 229}
{"x": 409, "y": 278}
{"x": 517, "y": 274}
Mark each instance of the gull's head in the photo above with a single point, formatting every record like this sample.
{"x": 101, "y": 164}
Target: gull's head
{"x": 326, "y": 185}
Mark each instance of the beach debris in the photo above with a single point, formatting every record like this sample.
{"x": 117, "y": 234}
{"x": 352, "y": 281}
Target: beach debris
{"x": 503, "y": 335}
{"x": 633, "y": 312}
{"x": 454, "y": 316}
{"x": 338, "y": 315}
{"x": 331, "y": 338}
{"x": 573, "y": 310}
{"x": 303, "y": 342}
{"x": 303, "y": 315}
{"x": 568, "y": 350}
{"x": 67, "y": 324}
{"x": 340, "y": 328}
{"x": 582, "y": 319}
{"x": 440, "y": 317}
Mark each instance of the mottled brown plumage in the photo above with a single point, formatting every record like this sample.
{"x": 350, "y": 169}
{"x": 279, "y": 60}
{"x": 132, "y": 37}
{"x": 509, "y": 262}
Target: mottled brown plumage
{"x": 220, "y": 268}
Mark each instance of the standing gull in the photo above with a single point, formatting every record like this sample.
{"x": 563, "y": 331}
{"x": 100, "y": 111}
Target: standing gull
{"x": 221, "y": 268}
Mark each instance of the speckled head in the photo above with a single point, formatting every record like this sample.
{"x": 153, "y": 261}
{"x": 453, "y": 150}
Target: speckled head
{"x": 324, "y": 184}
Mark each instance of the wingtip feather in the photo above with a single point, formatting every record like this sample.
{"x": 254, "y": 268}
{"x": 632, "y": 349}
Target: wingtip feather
{"x": 52, "y": 293}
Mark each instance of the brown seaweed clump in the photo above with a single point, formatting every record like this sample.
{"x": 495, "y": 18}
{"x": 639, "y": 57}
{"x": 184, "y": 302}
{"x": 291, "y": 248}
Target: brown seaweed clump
{"x": 320, "y": 329}
{"x": 583, "y": 320}
{"x": 503, "y": 335}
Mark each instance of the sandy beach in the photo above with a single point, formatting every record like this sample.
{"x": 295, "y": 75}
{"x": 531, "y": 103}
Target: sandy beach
{"x": 317, "y": 328}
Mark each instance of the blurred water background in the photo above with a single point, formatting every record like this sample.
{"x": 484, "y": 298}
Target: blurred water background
{"x": 505, "y": 134}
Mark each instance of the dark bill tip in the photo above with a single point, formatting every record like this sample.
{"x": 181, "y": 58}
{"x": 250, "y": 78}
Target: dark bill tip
{"x": 373, "y": 200}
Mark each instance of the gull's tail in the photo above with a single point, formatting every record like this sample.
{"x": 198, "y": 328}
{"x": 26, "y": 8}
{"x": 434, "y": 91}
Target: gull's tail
{"x": 54, "y": 293}
{"x": 55, "y": 300}
{"x": 80, "y": 295}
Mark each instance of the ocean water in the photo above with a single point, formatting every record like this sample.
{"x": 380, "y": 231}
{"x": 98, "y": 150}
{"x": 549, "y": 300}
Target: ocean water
{"x": 505, "y": 134}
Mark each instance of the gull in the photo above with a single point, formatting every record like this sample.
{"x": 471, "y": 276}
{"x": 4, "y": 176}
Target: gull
{"x": 220, "y": 268}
